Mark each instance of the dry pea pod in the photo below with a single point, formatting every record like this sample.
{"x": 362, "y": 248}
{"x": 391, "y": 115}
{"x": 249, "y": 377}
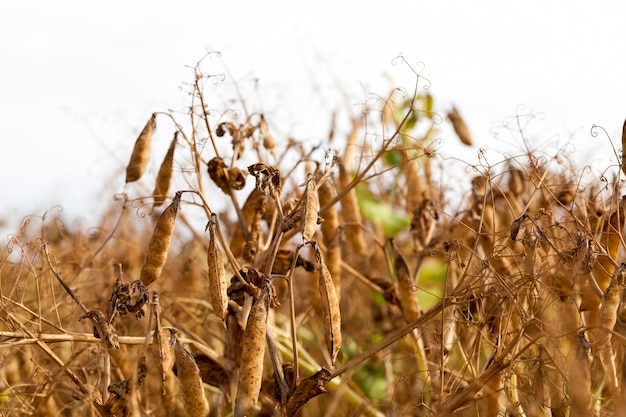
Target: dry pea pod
{"x": 460, "y": 128}
{"x": 351, "y": 214}
{"x": 254, "y": 232}
{"x": 330, "y": 308}
{"x": 330, "y": 233}
{"x": 164, "y": 176}
{"x": 406, "y": 287}
{"x": 624, "y": 147}
{"x": 165, "y": 339}
{"x": 192, "y": 391}
{"x": 251, "y": 365}
{"x": 217, "y": 275}
{"x": 249, "y": 210}
{"x": 268, "y": 140}
{"x": 309, "y": 223}
{"x": 141, "y": 152}
{"x": 159, "y": 245}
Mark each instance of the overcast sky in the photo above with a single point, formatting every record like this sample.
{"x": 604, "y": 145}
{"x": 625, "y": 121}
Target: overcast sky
{"x": 78, "y": 79}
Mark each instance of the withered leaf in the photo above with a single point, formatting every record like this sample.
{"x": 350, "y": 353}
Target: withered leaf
{"x": 103, "y": 329}
{"x": 218, "y": 171}
{"x": 308, "y": 388}
{"x": 220, "y": 374}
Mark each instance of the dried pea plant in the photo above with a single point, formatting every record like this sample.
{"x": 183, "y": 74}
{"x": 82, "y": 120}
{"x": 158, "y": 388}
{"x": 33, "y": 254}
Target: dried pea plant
{"x": 284, "y": 278}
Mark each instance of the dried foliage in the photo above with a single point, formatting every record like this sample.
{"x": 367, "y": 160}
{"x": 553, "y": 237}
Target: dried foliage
{"x": 503, "y": 295}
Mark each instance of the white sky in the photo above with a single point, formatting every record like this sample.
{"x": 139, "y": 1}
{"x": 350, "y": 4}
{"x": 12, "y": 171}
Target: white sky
{"x": 78, "y": 79}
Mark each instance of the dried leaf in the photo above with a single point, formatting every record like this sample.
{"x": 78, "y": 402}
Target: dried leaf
{"x": 292, "y": 219}
{"x": 123, "y": 402}
{"x": 129, "y": 298}
{"x": 237, "y": 178}
{"x": 267, "y": 177}
{"x": 141, "y": 152}
{"x": 159, "y": 245}
{"x": 103, "y": 329}
{"x": 307, "y": 389}
{"x": 218, "y": 171}
{"x": 516, "y": 225}
{"x": 220, "y": 374}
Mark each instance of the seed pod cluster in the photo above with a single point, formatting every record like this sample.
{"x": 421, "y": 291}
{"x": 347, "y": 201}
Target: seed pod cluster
{"x": 141, "y": 152}
{"x": 159, "y": 245}
{"x": 164, "y": 176}
{"x": 330, "y": 308}
{"x": 217, "y": 274}
{"x": 251, "y": 366}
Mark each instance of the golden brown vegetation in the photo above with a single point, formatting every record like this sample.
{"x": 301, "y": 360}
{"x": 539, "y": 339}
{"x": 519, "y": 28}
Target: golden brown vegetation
{"x": 354, "y": 288}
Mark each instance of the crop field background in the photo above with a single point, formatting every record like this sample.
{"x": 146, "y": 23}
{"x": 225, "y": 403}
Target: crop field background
{"x": 260, "y": 274}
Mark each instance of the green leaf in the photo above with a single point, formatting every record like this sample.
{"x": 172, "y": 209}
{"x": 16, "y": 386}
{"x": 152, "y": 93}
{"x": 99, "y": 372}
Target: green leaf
{"x": 431, "y": 280}
{"x": 392, "y": 158}
{"x": 381, "y": 212}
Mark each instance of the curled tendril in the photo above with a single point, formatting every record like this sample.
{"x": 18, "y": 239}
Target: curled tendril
{"x": 235, "y": 114}
{"x": 587, "y": 169}
{"x": 567, "y": 150}
{"x": 594, "y": 130}
{"x": 437, "y": 119}
{"x": 498, "y": 252}
{"x": 471, "y": 169}
{"x": 400, "y": 59}
{"x": 436, "y": 144}
{"x": 210, "y": 52}
{"x": 482, "y": 158}
{"x": 47, "y": 213}
{"x": 139, "y": 206}
{"x": 216, "y": 78}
